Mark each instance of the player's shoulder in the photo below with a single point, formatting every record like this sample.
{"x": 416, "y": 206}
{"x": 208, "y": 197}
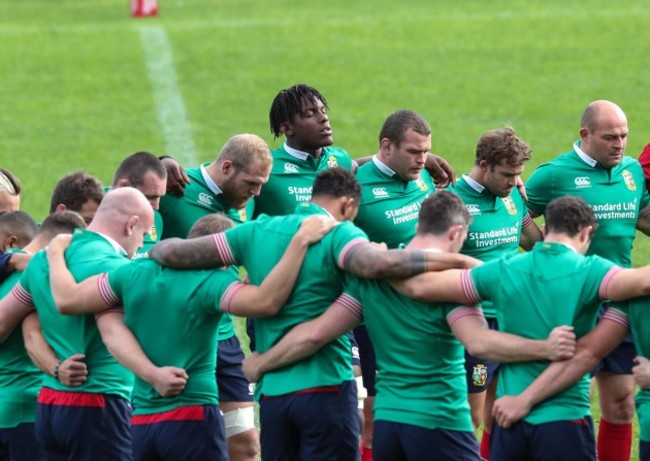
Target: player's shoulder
{"x": 631, "y": 162}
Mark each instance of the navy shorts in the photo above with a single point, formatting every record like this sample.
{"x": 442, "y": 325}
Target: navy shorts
{"x": 356, "y": 358}
{"x": 368, "y": 359}
{"x": 318, "y": 424}
{"x": 480, "y": 372}
{"x": 644, "y": 451}
{"x": 83, "y": 426}
{"x": 231, "y": 382}
{"x": 190, "y": 433}
{"x": 621, "y": 360}
{"x": 405, "y": 442}
{"x": 556, "y": 441}
{"x": 19, "y": 444}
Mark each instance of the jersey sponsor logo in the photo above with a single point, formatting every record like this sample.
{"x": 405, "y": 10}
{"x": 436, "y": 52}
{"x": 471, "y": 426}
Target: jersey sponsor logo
{"x": 331, "y": 162}
{"x": 629, "y": 180}
{"x": 205, "y": 199}
{"x": 473, "y": 209}
{"x": 153, "y": 234}
{"x": 291, "y": 168}
{"x": 421, "y": 184}
{"x": 510, "y": 205}
{"x": 479, "y": 375}
{"x": 582, "y": 182}
{"x": 379, "y": 192}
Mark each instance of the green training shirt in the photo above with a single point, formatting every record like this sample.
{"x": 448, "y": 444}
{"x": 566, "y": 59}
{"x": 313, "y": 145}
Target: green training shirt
{"x": 20, "y": 380}
{"x": 174, "y": 327}
{"x": 202, "y": 197}
{"x": 258, "y": 246}
{"x": 292, "y": 178}
{"x": 534, "y": 292}
{"x": 618, "y": 197}
{"x": 496, "y": 224}
{"x": 89, "y": 254}
{"x": 421, "y": 374}
{"x": 390, "y": 205}
{"x": 635, "y": 313}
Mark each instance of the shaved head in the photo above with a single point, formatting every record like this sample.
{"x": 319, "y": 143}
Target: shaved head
{"x": 603, "y": 133}
{"x": 597, "y": 110}
{"x": 125, "y": 215}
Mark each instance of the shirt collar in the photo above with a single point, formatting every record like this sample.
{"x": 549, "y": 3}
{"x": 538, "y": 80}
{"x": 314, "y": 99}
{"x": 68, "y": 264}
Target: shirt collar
{"x": 300, "y": 155}
{"x": 209, "y": 182}
{"x": 382, "y": 166}
{"x": 585, "y": 158}
{"x": 473, "y": 184}
{"x": 116, "y": 246}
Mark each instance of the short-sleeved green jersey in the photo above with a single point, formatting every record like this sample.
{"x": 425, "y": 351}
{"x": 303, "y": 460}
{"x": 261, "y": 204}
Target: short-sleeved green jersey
{"x": 618, "y": 197}
{"x": 202, "y": 197}
{"x": 421, "y": 374}
{"x": 534, "y": 292}
{"x": 258, "y": 245}
{"x": 635, "y": 313}
{"x": 89, "y": 254}
{"x": 292, "y": 178}
{"x": 496, "y": 224}
{"x": 389, "y": 205}
{"x": 152, "y": 237}
{"x": 20, "y": 380}
{"x": 174, "y": 327}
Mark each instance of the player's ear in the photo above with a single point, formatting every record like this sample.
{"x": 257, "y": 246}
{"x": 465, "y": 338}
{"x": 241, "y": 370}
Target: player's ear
{"x": 483, "y": 165}
{"x": 131, "y": 224}
{"x": 227, "y": 167}
{"x": 584, "y": 132}
{"x": 61, "y": 207}
{"x": 10, "y": 241}
{"x": 384, "y": 146}
{"x": 586, "y": 234}
{"x": 123, "y": 183}
{"x": 287, "y": 129}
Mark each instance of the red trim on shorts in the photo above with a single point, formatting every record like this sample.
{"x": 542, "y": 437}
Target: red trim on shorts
{"x": 49, "y": 396}
{"x": 581, "y": 422}
{"x": 186, "y": 413}
{"x": 311, "y": 390}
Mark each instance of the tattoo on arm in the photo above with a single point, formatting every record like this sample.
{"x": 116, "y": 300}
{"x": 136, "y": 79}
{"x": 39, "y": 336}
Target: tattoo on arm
{"x": 196, "y": 253}
{"x": 364, "y": 260}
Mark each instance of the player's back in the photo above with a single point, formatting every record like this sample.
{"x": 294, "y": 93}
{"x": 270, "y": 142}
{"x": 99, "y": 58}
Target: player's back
{"x": 420, "y": 377}
{"x": 174, "y": 315}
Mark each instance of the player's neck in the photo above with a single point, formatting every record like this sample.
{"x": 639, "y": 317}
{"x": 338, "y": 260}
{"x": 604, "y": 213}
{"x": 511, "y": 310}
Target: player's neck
{"x": 563, "y": 239}
{"x": 214, "y": 172}
{"x": 316, "y": 153}
{"x": 477, "y": 175}
{"x": 430, "y": 242}
{"x": 35, "y": 245}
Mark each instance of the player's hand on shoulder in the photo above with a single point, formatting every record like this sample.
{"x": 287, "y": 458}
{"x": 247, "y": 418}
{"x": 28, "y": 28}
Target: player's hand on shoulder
{"x": 509, "y": 409}
{"x": 58, "y": 244}
{"x": 177, "y": 179}
{"x": 641, "y": 372}
{"x": 561, "y": 343}
{"x": 169, "y": 381}
{"x": 251, "y": 368}
{"x": 440, "y": 171}
{"x": 315, "y": 228}
{"x": 73, "y": 371}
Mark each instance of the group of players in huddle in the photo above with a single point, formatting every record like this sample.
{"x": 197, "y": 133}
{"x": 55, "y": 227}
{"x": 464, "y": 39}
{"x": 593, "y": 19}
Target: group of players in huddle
{"x": 366, "y": 285}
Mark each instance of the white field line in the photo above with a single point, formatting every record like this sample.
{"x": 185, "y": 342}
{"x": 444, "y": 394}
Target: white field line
{"x": 168, "y": 99}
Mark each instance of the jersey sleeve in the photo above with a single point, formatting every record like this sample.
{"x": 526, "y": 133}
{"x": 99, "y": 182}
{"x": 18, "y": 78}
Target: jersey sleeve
{"x": 351, "y": 297}
{"x": 454, "y": 312}
{"x": 538, "y": 190}
{"x": 479, "y": 282}
{"x": 231, "y": 245}
{"x": 618, "y": 313}
{"x": 111, "y": 284}
{"x": 346, "y": 236}
{"x": 221, "y": 289}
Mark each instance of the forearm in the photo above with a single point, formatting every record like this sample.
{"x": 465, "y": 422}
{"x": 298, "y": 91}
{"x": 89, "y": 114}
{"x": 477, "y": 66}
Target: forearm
{"x": 196, "y": 253}
{"x": 122, "y": 345}
{"x": 368, "y": 262}
{"x": 37, "y": 347}
{"x": 298, "y": 344}
{"x": 504, "y": 347}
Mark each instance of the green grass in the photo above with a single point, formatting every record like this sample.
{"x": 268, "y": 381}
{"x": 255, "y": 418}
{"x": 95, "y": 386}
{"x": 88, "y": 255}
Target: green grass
{"x": 76, "y": 93}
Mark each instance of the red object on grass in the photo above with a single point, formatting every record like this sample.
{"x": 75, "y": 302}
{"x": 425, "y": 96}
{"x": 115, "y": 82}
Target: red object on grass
{"x": 144, "y": 8}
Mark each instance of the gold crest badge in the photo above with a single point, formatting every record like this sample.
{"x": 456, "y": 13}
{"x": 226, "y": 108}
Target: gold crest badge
{"x": 153, "y": 234}
{"x": 510, "y": 205}
{"x": 629, "y": 180}
{"x": 331, "y": 162}
{"x": 479, "y": 375}
{"x": 242, "y": 214}
{"x": 421, "y": 184}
